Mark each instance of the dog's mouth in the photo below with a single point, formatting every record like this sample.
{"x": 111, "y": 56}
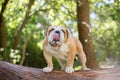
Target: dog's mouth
{"x": 56, "y": 37}
{"x": 56, "y": 40}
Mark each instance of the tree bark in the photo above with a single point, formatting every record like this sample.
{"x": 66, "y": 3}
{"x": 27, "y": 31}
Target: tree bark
{"x": 84, "y": 32}
{"x": 3, "y": 31}
{"x": 10, "y": 71}
{"x": 19, "y": 32}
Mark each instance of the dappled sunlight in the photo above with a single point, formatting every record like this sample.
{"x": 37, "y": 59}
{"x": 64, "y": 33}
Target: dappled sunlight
{"x": 78, "y": 68}
{"x": 15, "y": 56}
{"x": 39, "y": 44}
{"x": 1, "y": 49}
{"x": 23, "y": 24}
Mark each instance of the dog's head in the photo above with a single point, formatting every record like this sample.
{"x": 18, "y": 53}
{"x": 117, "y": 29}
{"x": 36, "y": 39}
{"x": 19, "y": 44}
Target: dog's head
{"x": 56, "y": 35}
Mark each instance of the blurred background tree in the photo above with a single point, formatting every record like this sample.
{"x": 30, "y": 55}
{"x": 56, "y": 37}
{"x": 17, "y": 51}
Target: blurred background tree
{"x": 22, "y": 25}
{"x": 106, "y": 29}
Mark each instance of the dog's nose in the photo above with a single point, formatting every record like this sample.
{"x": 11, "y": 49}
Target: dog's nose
{"x": 58, "y": 32}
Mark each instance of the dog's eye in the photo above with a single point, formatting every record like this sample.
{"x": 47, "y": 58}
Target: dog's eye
{"x": 63, "y": 31}
{"x": 52, "y": 29}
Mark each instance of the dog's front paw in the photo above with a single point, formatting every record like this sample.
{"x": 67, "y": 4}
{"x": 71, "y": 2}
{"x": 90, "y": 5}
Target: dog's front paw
{"x": 69, "y": 70}
{"x": 47, "y": 69}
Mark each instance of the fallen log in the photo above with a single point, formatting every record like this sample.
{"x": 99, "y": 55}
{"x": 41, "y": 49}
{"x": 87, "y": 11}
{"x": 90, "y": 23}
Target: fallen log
{"x": 10, "y": 71}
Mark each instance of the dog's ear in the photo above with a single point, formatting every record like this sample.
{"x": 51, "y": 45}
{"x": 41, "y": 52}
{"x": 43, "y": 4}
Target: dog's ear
{"x": 67, "y": 31}
{"x": 67, "y": 34}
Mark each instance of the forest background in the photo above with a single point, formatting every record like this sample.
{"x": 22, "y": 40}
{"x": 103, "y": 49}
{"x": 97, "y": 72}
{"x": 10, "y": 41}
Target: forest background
{"x": 23, "y": 22}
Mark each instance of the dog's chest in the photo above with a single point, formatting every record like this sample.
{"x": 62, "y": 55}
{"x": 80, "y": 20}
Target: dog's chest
{"x": 59, "y": 52}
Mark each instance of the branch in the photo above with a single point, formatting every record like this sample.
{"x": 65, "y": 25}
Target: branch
{"x": 69, "y": 12}
{"x": 24, "y": 48}
{"x": 3, "y": 8}
{"x": 40, "y": 10}
{"x": 31, "y": 2}
{"x": 19, "y": 32}
{"x": 10, "y": 71}
{"x": 46, "y": 1}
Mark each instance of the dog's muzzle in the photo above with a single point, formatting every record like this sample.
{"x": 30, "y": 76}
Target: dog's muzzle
{"x": 56, "y": 38}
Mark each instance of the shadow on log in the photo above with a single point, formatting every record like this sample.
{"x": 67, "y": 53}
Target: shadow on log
{"x": 10, "y": 71}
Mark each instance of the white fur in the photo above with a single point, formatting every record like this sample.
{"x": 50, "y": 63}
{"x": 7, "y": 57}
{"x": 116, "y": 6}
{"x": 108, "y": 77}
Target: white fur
{"x": 50, "y": 37}
{"x": 47, "y": 69}
{"x": 69, "y": 70}
{"x": 60, "y": 52}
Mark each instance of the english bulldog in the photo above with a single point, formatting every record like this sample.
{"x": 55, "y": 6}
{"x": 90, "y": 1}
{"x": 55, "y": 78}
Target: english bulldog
{"x": 60, "y": 44}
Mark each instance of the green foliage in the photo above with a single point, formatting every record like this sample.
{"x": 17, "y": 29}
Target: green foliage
{"x": 106, "y": 29}
{"x": 34, "y": 56}
{"x": 105, "y": 18}
{"x": 45, "y": 13}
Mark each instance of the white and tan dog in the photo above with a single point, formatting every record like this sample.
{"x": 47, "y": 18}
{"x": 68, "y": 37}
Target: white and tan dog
{"x": 64, "y": 47}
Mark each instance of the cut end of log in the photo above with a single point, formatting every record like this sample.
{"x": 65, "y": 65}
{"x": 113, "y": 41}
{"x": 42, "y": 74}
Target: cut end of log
{"x": 10, "y": 71}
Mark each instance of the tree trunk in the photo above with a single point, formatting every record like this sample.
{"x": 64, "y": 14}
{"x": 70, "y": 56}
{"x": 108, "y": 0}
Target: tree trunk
{"x": 10, "y": 71}
{"x": 3, "y": 32}
{"x": 84, "y": 32}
